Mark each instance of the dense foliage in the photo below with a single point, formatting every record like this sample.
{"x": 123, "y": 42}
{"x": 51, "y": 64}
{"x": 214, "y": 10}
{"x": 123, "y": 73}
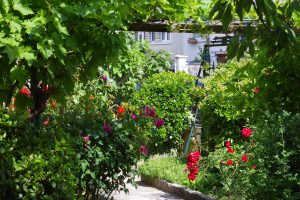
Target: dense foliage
{"x": 171, "y": 94}
{"x": 93, "y": 139}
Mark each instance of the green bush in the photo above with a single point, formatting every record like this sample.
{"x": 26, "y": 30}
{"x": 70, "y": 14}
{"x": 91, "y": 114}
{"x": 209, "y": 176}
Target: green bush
{"x": 171, "y": 94}
{"x": 35, "y": 164}
{"x": 228, "y": 101}
{"x": 277, "y": 155}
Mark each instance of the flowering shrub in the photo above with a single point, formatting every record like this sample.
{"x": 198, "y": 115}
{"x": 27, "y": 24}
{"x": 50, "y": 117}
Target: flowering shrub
{"x": 171, "y": 96}
{"x": 192, "y": 160}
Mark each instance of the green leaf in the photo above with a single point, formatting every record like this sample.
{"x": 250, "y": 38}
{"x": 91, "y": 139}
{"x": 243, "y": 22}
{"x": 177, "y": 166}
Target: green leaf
{"x": 227, "y": 16}
{"x": 12, "y": 53}
{"x": 23, "y": 9}
{"x": 5, "y": 5}
{"x": 28, "y": 55}
{"x": 14, "y": 26}
{"x": 46, "y": 50}
{"x": 239, "y": 8}
{"x": 19, "y": 74}
{"x": 233, "y": 47}
{"x": 59, "y": 26}
{"x": 215, "y": 8}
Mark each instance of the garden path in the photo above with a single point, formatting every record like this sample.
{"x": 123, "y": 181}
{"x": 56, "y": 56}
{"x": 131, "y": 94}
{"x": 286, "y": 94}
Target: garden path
{"x": 144, "y": 192}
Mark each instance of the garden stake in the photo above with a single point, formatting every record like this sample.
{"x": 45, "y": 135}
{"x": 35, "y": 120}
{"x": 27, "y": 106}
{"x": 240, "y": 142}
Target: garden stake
{"x": 200, "y": 84}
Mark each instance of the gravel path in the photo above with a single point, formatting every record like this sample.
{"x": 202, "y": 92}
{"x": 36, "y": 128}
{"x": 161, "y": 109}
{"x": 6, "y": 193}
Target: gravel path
{"x": 144, "y": 192}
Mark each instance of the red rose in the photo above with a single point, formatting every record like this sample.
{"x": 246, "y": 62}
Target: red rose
{"x": 227, "y": 144}
{"x": 245, "y": 158}
{"x": 230, "y": 150}
{"x": 192, "y": 176}
{"x": 121, "y": 110}
{"x": 25, "y": 90}
{"x": 246, "y": 132}
{"x": 229, "y": 162}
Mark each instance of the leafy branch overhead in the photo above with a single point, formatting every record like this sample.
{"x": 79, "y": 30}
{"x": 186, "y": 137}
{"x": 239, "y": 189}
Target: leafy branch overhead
{"x": 275, "y": 24}
{"x": 64, "y": 41}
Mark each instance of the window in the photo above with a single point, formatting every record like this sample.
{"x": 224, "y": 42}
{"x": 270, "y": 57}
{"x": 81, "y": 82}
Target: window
{"x": 152, "y": 36}
{"x": 165, "y": 36}
{"x": 139, "y": 35}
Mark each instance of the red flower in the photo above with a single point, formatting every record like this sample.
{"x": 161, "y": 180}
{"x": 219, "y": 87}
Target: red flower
{"x": 150, "y": 111}
{"x": 256, "y": 90}
{"x": 45, "y": 88}
{"x": 25, "y": 90}
{"x": 246, "y": 132}
{"x": 121, "y": 110}
{"x": 53, "y": 104}
{"x": 193, "y": 157}
{"x": 229, "y": 162}
{"x": 192, "y": 176}
{"x": 254, "y": 167}
{"x": 230, "y": 150}
{"x": 245, "y": 158}
{"x": 46, "y": 122}
{"x": 227, "y": 144}
{"x": 192, "y": 167}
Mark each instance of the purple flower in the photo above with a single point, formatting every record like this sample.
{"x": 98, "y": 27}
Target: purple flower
{"x": 150, "y": 111}
{"x": 159, "y": 123}
{"x": 86, "y": 138}
{"x": 144, "y": 150}
{"x": 107, "y": 128}
{"x": 133, "y": 116}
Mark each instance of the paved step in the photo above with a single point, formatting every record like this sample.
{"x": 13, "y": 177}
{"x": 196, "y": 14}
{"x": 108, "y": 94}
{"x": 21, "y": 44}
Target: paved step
{"x": 144, "y": 192}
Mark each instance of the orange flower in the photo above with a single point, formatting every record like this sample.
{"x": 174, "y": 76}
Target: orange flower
{"x": 53, "y": 104}
{"x": 92, "y": 97}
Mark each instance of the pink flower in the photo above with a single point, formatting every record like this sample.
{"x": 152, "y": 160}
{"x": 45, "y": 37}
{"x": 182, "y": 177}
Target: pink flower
{"x": 254, "y": 167}
{"x": 227, "y": 144}
{"x": 46, "y": 122}
{"x": 133, "y": 116}
{"x": 104, "y": 77}
{"x": 25, "y": 91}
{"x": 159, "y": 123}
{"x": 245, "y": 158}
{"x": 230, "y": 150}
{"x": 107, "y": 128}
{"x": 144, "y": 150}
{"x": 246, "y": 132}
{"x": 86, "y": 138}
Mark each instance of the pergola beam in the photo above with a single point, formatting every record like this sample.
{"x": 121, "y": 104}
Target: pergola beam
{"x": 215, "y": 27}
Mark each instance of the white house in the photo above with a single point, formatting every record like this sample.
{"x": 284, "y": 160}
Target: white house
{"x": 186, "y": 44}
